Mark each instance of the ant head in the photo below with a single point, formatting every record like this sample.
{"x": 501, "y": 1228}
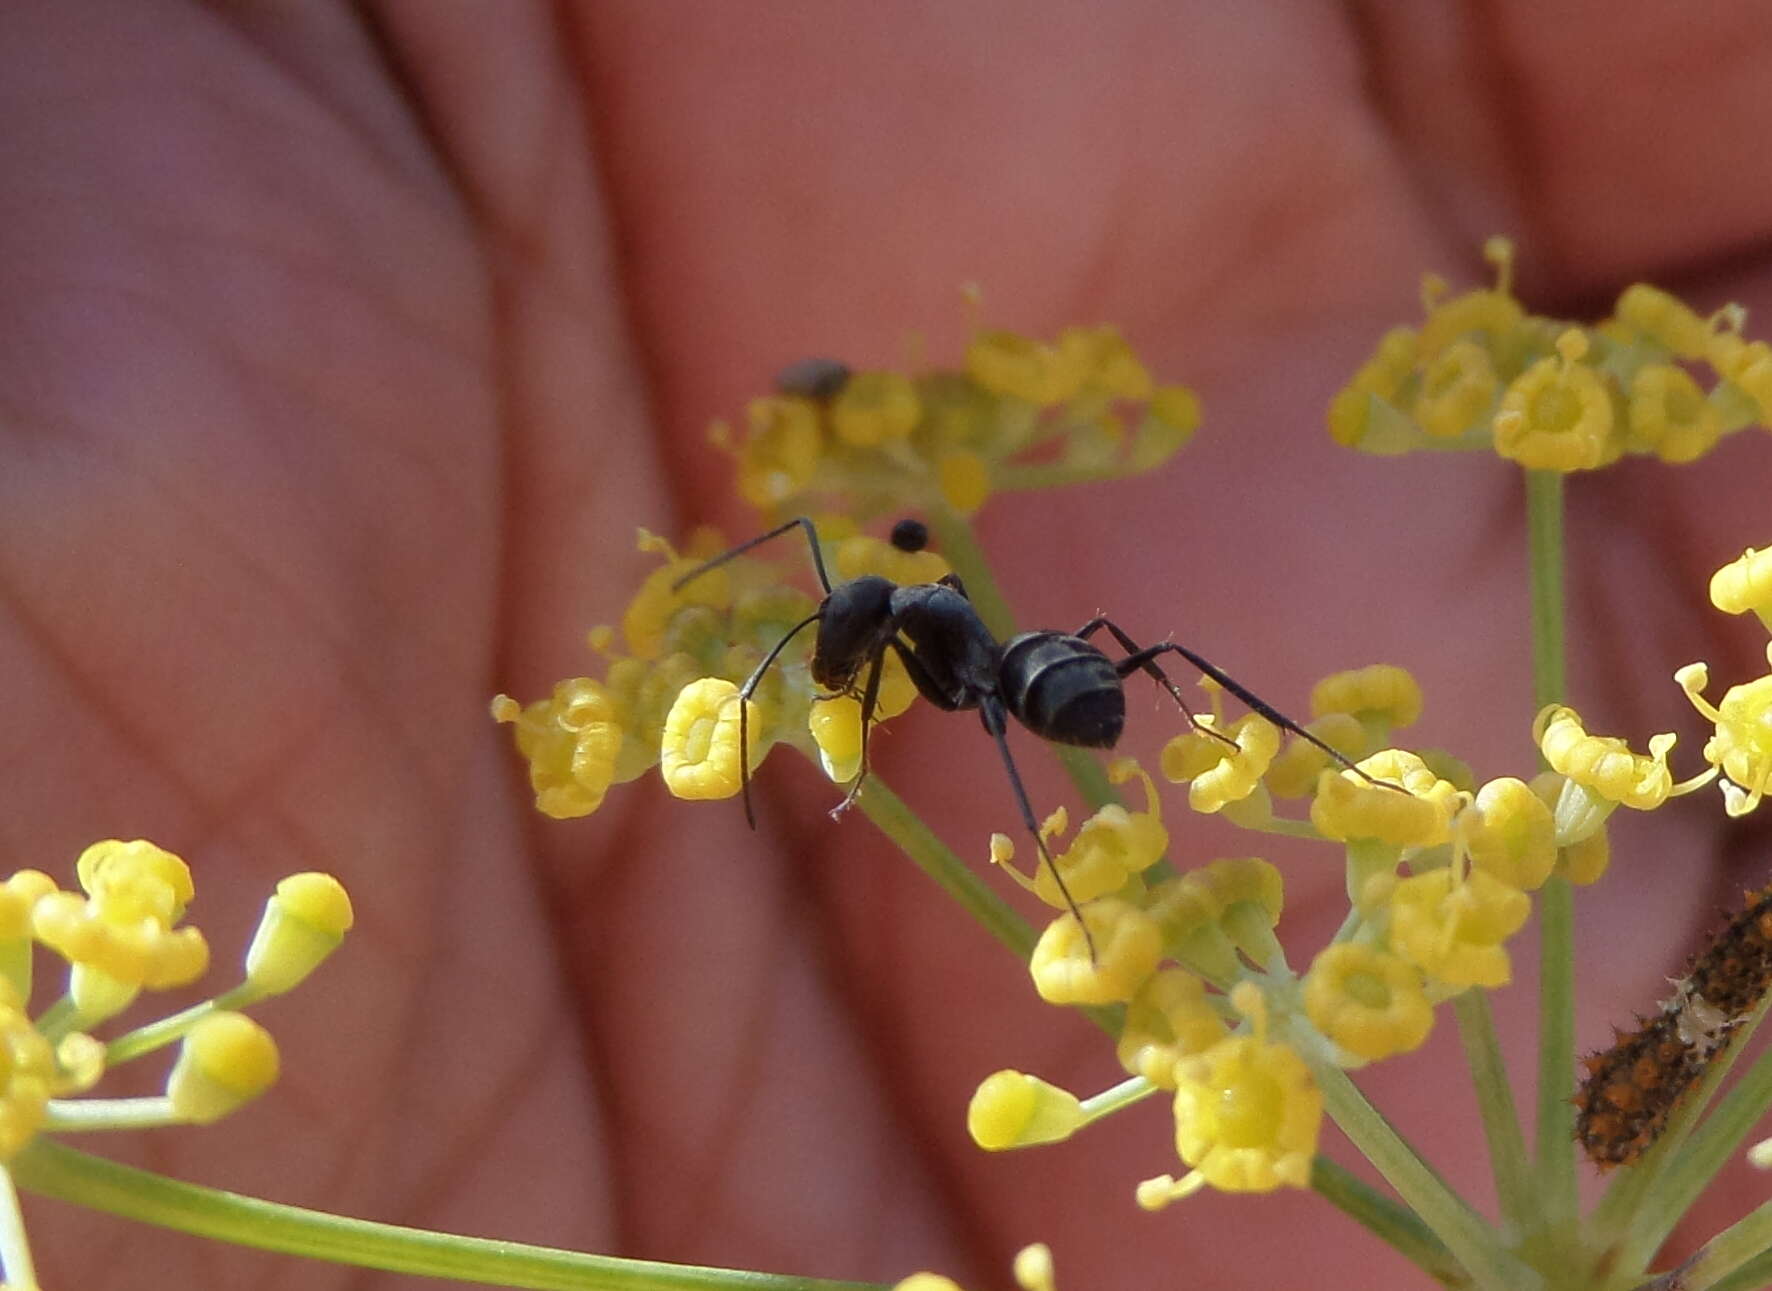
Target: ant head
{"x": 853, "y": 625}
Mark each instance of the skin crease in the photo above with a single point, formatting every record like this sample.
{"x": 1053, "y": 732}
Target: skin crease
{"x": 342, "y": 351}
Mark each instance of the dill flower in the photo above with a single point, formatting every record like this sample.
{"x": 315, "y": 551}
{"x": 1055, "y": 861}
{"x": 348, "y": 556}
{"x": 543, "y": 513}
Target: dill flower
{"x": 121, "y": 937}
{"x": 304, "y": 922}
{"x": 1744, "y": 585}
{"x": 700, "y": 754}
{"x": 1603, "y": 764}
{"x": 27, "y": 1074}
{"x": 1741, "y": 746}
{"x": 1557, "y": 415}
{"x": 571, "y": 741}
{"x": 1665, "y": 319}
{"x": 781, "y": 450}
{"x": 874, "y": 407}
{"x": 926, "y": 1281}
{"x": 1380, "y": 696}
{"x": 1006, "y": 363}
{"x": 1367, "y": 1001}
{"x": 1247, "y": 1114}
{"x": 1011, "y": 1109}
{"x": 1511, "y": 834}
{"x": 1170, "y": 1018}
{"x": 1219, "y": 773}
{"x": 1669, "y": 415}
{"x": 1294, "y": 771}
{"x": 1458, "y": 389}
{"x": 1110, "y": 847}
{"x": 1453, "y": 927}
{"x": 225, "y": 1061}
{"x": 1347, "y": 807}
{"x": 835, "y": 720}
{"x": 1128, "y": 945}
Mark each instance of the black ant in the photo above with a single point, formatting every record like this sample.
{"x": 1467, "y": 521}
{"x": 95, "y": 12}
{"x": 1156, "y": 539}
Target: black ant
{"x": 1059, "y": 685}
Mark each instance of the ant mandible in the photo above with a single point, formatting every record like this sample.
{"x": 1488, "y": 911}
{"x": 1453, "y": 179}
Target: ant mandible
{"x": 1060, "y": 685}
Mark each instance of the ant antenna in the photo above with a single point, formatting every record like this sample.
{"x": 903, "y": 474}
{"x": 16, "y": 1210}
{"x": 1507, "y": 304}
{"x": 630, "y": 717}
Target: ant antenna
{"x": 744, "y": 723}
{"x": 824, "y": 579}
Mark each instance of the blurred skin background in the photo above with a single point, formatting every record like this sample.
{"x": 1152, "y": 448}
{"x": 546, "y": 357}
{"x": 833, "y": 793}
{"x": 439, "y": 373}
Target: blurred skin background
{"x": 342, "y": 349}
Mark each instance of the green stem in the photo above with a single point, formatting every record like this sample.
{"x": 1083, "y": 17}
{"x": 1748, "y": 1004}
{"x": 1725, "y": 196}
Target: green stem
{"x": 1745, "y": 1241}
{"x": 77, "y": 1114}
{"x": 917, "y": 841}
{"x": 1495, "y": 1104}
{"x": 1556, "y": 987}
{"x": 156, "y": 1035}
{"x": 1108, "y": 1101}
{"x": 1395, "y": 1225}
{"x": 16, "y": 1264}
{"x": 49, "y": 1169}
{"x": 1473, "y": 1244}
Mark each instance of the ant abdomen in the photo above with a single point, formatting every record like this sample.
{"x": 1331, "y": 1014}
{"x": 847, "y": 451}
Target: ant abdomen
{"x": 1063, "y": 689}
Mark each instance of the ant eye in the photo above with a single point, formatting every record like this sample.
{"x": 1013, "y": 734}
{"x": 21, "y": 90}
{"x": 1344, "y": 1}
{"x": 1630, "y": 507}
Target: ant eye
{"x": 910, "y": 534}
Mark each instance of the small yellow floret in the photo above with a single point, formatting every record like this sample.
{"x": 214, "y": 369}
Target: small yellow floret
{"x": 866, "y": 554}
{"x": 1294, "y": 771}
{"x": 780, "y": 455}
{"x": 1454, "y": 928}
{"x": 1348, "y": 807}
{"x": 1110, "y": 847}
{"x": 1747, "y": 365}
{"x": 1670, "y": 416}
{"x": 1170, "y": 1018}
{"x": 1741, "y": 747}
{"x": 1604, "y": 764}
{"x": 1458, "y": 388}
{"x": 1665, "y": 319}
{"x": 1170, "y": 420}
{"x": 1007, "y": 363}
{"x": 699, "y": 757}
{"x": 18, "y": 896}
{"x": 1511, "y": 834}
{"x": 1128, "y": 944}
{"x": 1247, "y": 1115}
{"x": 226, "y": 1061}
{"x": 1033, "y": 1268}
{"x": 1378, "y": 382}
{"x": 120, "y": 939}
{"x": 571, "y": 741}
{"x": 1557, "y": 415}
{"x": 303, "y": 923}
{"x": 1012, "y": 1109}
{"x": 27, "y": 1074}
{"x": 1380, "y": 695}
{"x": 874, "y": 407}
{"x": 964, "y": 478}
{"x": 835, "y": 720}
{"x": 1367, "y": 1001}
{"x": 1744, "y": 585}
{"x": 926, "y": 1282}
{"x": 1220, "y": 773}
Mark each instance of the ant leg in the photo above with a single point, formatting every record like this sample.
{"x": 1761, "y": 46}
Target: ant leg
{"x": 1140, "y": 658}
{"x": 990, "y": 711}
{"x": 870, "y": 698}
{"x": 744, "y": 717}
{"x": 1259, "y": 705}
{"x": 824, "y": 579}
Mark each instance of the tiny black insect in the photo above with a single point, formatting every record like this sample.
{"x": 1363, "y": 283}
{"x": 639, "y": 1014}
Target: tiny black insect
{"x": 1059, "y": 685}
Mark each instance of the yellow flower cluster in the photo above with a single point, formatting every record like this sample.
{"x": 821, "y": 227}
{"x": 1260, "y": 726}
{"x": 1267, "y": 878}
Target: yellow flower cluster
{"x": 670, "y": 699}
{"x": 1084, "y": 405}
{"x": 119, "y": 935}
{"x": 1481, "y": 372}
{"x": 1438, "y": 875}
{"x": 1739, "y": 750}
